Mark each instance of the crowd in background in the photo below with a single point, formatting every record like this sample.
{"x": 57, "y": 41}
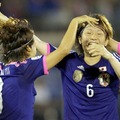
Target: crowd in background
{"x": 50, "y": 19}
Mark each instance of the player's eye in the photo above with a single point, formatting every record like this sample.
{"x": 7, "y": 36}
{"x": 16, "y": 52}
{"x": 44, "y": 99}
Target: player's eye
{"x": 99, "y": 34}
{"x": 88, "y": 32}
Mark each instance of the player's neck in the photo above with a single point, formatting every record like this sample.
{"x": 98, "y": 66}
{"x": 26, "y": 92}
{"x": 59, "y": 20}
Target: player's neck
{"x": 92, "y": 60}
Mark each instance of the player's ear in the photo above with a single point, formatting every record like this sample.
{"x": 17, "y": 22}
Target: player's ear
{"x": 79, "y": 39}
{"x": 106, "y": 42}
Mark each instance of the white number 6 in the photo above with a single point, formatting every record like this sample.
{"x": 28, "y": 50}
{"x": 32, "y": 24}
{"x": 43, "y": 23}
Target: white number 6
{"x": 90, "y": 92}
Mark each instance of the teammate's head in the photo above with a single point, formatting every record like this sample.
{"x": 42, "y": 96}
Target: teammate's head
{"x": 103, "y": 24}
{"x": 16, "y": 38}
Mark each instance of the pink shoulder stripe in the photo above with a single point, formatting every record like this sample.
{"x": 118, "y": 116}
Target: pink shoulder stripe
{"x": 48, "y": 48}
{"x": 119, "y": 48}
{"x": 45, "y": 66}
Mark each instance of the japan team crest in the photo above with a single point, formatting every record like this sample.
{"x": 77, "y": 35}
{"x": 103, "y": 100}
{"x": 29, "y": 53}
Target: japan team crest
{"x": 104, "y": 79}
{"x": 77, "y": 76}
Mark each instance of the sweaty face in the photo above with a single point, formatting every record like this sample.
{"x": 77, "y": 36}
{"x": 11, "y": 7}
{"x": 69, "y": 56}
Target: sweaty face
{"x": 92, "y": 34}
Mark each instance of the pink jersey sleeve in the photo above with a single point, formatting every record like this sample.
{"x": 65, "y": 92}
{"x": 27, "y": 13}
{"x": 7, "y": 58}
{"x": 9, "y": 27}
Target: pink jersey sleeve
{"x": 45, "y": 66}
{"x": 48, "y": 48}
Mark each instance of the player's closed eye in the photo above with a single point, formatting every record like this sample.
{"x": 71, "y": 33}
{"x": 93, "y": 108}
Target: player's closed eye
{"x": 100, "y": 33}
{"x": 88, "y": 33}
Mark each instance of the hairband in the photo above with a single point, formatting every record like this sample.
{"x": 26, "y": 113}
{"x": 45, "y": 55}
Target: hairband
{"x": 5, "y": 54}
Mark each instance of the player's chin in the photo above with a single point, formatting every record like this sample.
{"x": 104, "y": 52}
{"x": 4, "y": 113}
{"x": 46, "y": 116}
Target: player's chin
{"x": 87, "y": 53}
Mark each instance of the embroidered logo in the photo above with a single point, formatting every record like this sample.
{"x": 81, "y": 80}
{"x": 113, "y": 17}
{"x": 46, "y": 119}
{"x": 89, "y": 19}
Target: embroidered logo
{"x": 104, "y": 79}
{"x": 81, "y": 67}
{"x": 77, "y": 75}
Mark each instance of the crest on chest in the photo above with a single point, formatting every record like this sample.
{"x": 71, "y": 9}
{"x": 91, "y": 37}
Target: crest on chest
{"x": 77, "y": 75}
{"x": 104, "y": 79}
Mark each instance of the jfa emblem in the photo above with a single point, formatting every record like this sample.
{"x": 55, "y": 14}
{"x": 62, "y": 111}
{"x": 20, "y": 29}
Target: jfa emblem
{"x": 77, "y": 76}
{"x": 104, "y": 79}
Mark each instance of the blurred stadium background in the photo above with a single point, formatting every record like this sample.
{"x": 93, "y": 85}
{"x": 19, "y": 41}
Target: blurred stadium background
{"x": 50, "y": 19}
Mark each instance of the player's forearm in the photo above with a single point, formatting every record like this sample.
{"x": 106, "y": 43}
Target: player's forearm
{"x": 113, "y": 61}
{"x": 3, "y": 18}
{"x": 70, "y": 36}
{"x": 115, "y": 64}
{"x": 40, "y": 45}
{"x": 114, "y": 45}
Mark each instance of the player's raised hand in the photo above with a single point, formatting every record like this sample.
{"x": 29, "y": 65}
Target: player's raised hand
{"x": 85, "y": 18}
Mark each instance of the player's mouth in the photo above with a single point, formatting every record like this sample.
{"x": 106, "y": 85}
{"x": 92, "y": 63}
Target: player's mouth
{"x": 90, "y": 43}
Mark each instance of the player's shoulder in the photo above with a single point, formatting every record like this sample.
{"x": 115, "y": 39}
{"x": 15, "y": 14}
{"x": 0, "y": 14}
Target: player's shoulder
{"x": 26, "y": 62}
{"x": 33, "y": 60}
{"x": 72, "y": 54}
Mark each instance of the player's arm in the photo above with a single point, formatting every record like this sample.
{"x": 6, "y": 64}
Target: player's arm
{"x": 3, "y": 18}
{"x": 42, "y": 47}
{"x": 68, "y": 41}
{"x": 115, "y": 64}
{"x": 114, "y": 45}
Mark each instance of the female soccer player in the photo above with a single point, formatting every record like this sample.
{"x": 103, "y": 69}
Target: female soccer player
{"x": 90, "y": 76}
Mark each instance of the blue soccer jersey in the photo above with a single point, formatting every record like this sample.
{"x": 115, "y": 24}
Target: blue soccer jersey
{"x": 17, "y": 92}
{"x": 90, "y": 92}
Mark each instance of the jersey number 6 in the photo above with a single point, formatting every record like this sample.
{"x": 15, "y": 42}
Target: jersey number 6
{"x": 90, "y": 91}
